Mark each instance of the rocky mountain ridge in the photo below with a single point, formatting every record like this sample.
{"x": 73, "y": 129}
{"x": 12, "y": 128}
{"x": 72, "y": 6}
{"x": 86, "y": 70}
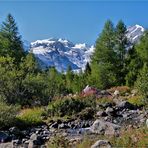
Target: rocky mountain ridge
{"x": 61, "y": 53}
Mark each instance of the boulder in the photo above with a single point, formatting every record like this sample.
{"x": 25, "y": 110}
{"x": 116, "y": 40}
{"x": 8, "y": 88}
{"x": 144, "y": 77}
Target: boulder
{"x": 101, "y": 114}
{"x": 35, "y": 141}
{"x": 4, "y": 137}
{"x": 103, "y": 127}
{"x": 15, "y": 131}
{"x": 147, "y": 123}
{"x": 63, "y": 126}
{"x": 116, "y": 93}
{"x": 101, "y": 144}
{"x": 54, "y": 125}
{"x": 125, "y": 105}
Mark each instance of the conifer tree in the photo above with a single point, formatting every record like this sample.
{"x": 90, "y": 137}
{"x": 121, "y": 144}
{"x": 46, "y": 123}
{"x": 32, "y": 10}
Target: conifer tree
{"x": 10, "y": 39}
{"x": 103, "y": 59}
{"x": 120, "y": 48}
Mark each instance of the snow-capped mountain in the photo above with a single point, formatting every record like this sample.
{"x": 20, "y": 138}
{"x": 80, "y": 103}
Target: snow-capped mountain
{"x": 134, "y": 33}
{"x": 62, "y": 53}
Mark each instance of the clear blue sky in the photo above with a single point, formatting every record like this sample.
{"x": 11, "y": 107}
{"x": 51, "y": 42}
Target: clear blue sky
{"x": 78, "y": 21}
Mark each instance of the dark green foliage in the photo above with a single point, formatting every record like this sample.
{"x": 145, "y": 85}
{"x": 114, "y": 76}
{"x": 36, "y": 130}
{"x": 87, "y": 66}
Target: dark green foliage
{"x": 103, "y": 60}
{"x": 120, "y": 48}
{"x": 142, "y": 83}
{"x": 23, "y": 82}
{"x": 87, "y": 113}
{"x": 142, "y": 47}
{"x": 87, "y": 69}
{"x": 68, "y": 106}
{"x": 7, "y": 115}
{"x": 30, "y": 117}
{"x": 134, "y": 64}
{"x": 58, "y": 141}
{"x": 10, "y": 40}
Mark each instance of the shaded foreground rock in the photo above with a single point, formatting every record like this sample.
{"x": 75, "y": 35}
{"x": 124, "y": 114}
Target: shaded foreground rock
{"x": 101, "y": 144}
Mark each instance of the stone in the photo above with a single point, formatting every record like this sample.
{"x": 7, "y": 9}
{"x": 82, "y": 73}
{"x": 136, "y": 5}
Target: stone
{"x": 6, "y": 145}
{"x": 63, "y": 126}
{"x": 33, "y": 137}
{"x": 14, "y": 130}
{"x": 35, "y": 140}
{"x": 101, "y": 144}
{"x": 4, "y": 137}
{"x": 101, "y": 114}
{"x": 16, "y": 142}
{"x": 103, "y": 127}
{"x": 125, "y": 105}
{"x": 54, "y": 125}
{"x": 116, "y": 93}
{"x": 147, "y": 123}
{"x": 109, "y": 110}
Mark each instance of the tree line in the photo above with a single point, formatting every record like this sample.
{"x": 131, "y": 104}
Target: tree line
{"x": 113, "y": 63}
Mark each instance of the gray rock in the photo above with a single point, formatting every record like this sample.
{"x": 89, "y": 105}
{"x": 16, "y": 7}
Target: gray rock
{"x": 3, "y": 137}
{"x": 33, "y": 137}
{"x": 147, "y": 123}
{"x": 101, "y": 144}
{"x": 16, "y": 142}
{"x": 125, "y": 105}
{"x": 101, "y": 114}
{"x": 116, "y": 93}
{"x": 14, "y": 130}
{"x": 54, "y": 125}
{"x": 109, "y": 110}
{"x": 103, "y": 127}
{"x": 63, "y": 126}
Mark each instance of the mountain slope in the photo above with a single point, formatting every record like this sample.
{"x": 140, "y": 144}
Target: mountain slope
{"x": 61, "y": 53}
{"x": 134, "y": 33}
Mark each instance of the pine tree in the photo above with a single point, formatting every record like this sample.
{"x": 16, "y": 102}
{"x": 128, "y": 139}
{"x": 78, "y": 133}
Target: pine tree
{"x": 142, "y": 83}
{"x": 11, "y": 40}
{"x": 142, "y": 48}
{"x": 120, "y": 48}
{"x": 134, "y": 64}
{"x": 87, "y": 69}
{"x": 103, "y": 59}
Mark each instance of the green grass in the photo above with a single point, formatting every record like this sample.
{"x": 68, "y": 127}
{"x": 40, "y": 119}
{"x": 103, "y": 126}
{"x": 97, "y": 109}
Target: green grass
{"x": 30, "y": 117}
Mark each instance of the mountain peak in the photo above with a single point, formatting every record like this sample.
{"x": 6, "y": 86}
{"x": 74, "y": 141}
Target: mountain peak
{"x": 134, "y": 33}
{"x": 61, "y": 53}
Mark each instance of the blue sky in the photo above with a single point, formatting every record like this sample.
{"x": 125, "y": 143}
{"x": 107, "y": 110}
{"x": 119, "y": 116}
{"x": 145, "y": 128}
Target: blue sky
{"x": 78, "y": 21}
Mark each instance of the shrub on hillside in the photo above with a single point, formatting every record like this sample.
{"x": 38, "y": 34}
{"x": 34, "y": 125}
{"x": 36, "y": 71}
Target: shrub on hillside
{"x": 58, "y": 141}
{"x": 121, "y": 89}
{"x": 136, "y": 100}
{"x": 86, "y": 114}
{"x": 68, "y": 106}
{"x": 7, "y": 115}
{"x": 30, "y": 117}
{"x": 142, "y": 84}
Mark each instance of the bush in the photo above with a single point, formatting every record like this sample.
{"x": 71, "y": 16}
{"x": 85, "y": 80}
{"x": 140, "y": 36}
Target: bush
{"x": 58, "y": 141}
{"x": 7, "y": 115}
{"x": 86, "y": 114}
{"x": 121, "y": 89}
{"x": 136, "y": 100}
{"x": 30, "y": 117}
{"x": 104, "y": 100}
{"x": 142, "y": 83}
{"x": 68, "y": 106}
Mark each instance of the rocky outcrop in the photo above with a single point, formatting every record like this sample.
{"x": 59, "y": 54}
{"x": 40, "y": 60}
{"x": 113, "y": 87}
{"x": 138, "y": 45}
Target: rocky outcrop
{"x": 103, "y": 127}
